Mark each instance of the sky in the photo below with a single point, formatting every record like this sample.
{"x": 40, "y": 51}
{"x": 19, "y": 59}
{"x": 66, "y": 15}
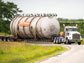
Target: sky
{"x": 70, "y": 9}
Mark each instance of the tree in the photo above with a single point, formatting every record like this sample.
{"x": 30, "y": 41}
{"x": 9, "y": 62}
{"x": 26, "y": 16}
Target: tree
{"x": 7, "y": 11}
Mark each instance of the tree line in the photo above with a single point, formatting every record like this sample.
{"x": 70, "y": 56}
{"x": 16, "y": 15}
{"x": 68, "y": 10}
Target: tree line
{"x": 7, "y": 11}
{"x": 80, "y": 25}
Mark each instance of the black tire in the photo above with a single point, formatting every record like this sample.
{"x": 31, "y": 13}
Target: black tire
{"x": 54, "y": 41}
{"x": 64, "y": 42}
{"x": 67, "y": 41}
{"x": 79, "y": 43}
{"x": 59, "y": 41}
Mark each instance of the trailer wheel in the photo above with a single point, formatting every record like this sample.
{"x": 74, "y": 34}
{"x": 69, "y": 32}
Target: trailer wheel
{"x": 67, "y": 41}
{"x": 64, "y": 42}
{"x": 54, "y": 41}
{"x": 79, "y": 43}
{"x": 59, "y": 41}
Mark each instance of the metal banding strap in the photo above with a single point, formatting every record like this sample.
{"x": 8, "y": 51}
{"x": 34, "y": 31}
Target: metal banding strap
{"x": 30, "y": 26}
{"x": 18, "y": 27}
{"x": 24, "y": 27}
{"x": 22, "y": 32}
{"x": 33, "y": 30}
{"x": 14, "y": 29}
{"x": 37, "y": 28}
{"x": 15, "y": 25}
{"x": 11, "y": 26}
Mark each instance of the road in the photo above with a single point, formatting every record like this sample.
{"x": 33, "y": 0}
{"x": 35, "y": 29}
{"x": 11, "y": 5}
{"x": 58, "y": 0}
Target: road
{"x": 74, "y": 55}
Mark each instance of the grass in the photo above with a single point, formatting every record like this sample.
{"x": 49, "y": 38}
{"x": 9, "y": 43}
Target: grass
{"x": 19, "y": 52}
{"x": 82, "y": 41}
{"x": 4, "y": 34}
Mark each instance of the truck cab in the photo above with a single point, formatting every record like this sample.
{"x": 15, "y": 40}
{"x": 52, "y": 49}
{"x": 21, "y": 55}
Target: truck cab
{"x": 72, "y": 35}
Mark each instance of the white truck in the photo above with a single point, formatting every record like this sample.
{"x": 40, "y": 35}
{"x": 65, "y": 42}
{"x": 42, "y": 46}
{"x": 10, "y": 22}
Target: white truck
{"x": 71, "y": 35}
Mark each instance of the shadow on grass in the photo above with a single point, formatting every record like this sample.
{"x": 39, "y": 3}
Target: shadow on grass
{"x": 18, "y": 61}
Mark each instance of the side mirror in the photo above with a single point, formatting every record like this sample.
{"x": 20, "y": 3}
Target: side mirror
{"x": 66, "y": 29}
{"x": 64, "y": 25}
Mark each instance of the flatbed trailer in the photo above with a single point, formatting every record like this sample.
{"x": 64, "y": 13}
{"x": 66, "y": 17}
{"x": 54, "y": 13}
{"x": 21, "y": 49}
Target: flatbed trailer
{"x": 6, "y": 38}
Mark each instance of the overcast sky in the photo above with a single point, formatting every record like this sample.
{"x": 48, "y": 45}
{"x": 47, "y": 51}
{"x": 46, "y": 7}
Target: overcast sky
{"x": 71, "y": 9}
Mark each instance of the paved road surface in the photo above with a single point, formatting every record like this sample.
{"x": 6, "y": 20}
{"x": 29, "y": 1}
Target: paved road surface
{"x": 74, "y": 55}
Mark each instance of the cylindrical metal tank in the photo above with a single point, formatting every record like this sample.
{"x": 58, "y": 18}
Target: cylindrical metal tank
{"x": 33, "y": 27}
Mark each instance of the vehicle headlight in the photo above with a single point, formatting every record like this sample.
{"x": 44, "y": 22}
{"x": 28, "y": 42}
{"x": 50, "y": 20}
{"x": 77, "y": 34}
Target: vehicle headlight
{"x": 70, "y": 37}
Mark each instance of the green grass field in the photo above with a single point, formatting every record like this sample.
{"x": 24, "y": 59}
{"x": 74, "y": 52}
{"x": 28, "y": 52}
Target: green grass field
{"x": 5, "y": 34}
{"x": 19, "y": 52}
{"x": 83, "y": 41}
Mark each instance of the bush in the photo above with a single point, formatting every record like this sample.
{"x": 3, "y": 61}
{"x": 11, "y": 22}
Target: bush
{"x": 4, "y": 26}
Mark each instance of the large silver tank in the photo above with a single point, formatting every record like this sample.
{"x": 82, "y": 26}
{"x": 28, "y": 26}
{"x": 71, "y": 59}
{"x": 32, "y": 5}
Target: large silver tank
{"x": 33, "y": 27}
